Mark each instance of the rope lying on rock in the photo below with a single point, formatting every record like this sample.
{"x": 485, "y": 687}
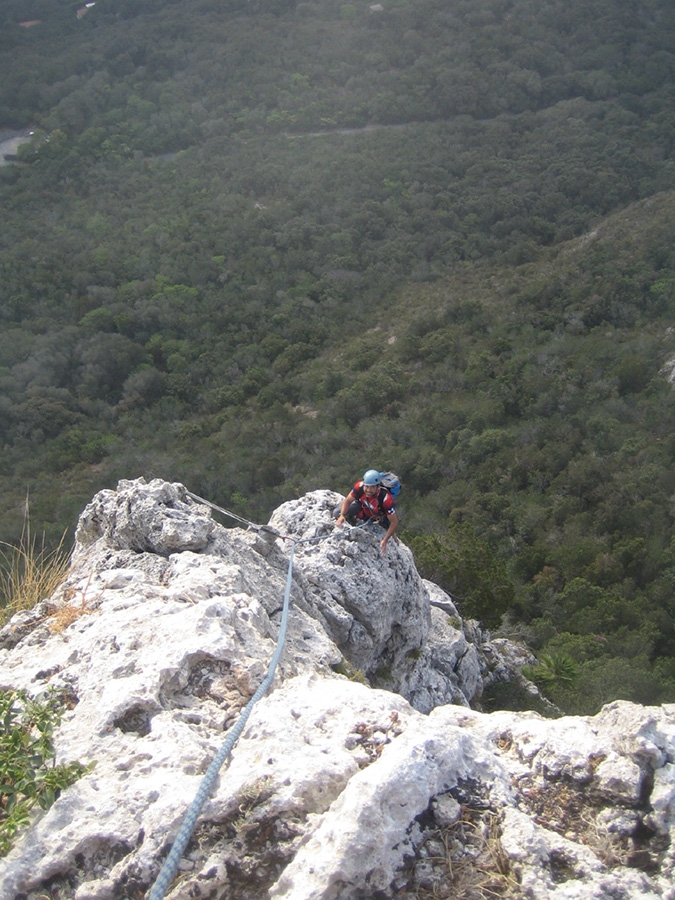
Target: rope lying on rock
{"x": 227, "y": 512}
{"x": 170, "y": 867}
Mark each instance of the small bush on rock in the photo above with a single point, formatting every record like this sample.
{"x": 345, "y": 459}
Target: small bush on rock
{"x": 28, "y": 774}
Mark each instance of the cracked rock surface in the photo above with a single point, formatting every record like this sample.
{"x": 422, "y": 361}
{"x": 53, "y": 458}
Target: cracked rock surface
{"x": 336, "y": 790}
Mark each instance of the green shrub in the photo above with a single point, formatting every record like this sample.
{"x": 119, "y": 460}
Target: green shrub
{"x": 28, "y": 774}
{"x": 553, "y": 669}
{"x": 467, "y": 569}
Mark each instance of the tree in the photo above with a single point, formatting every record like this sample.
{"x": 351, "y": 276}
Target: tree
{"x": 468, "y": 570}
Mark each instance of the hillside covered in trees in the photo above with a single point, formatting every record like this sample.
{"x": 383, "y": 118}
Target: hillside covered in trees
{"x": 258, "y": 246}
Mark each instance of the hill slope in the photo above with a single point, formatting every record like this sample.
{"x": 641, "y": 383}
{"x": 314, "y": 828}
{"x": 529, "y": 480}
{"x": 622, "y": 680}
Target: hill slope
{"x": 256, "y": 248}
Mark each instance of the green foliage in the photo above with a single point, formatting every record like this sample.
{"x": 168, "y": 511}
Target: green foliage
{"x": 610, "y": 678}
{"x": 513, "y": 695}
{"x": 251, "y": 249}
{"x": 553, "y": 669}
{"x": 467, "y": 569}
{"x": 345, "y": 668}
{"x": 28, "y": 775}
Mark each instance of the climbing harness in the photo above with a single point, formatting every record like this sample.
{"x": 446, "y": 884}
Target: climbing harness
{"x": 170, "y": 867}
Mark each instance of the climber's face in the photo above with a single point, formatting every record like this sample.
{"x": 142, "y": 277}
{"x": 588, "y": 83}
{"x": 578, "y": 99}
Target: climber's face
{"x": 370, "y": 489}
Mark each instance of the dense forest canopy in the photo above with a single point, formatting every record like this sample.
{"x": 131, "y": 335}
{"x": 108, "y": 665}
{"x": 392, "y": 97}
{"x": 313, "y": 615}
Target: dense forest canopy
{"x": 258, "y": 246}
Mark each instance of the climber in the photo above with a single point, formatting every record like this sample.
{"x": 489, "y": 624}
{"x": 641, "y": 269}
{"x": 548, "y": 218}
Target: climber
{"x": 369, "y": 500}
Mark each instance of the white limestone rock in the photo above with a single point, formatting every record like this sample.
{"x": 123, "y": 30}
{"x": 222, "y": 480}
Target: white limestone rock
{"x": 384, "y": 597}
{"x": 447, "y": 668}
{"x": 377, "y": 609}
{"x": 335, "y": 790}
{"x": 127, "y": 519}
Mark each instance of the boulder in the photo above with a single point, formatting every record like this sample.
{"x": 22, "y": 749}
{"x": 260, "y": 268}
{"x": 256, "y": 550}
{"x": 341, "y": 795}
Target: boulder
{"x": 337, "y": 789}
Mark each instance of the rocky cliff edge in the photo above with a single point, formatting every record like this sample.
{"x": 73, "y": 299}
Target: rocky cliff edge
{"x": 336, "y": 790}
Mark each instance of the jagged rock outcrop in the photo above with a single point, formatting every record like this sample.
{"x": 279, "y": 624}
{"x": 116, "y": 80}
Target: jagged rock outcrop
{"x": 336, "y": 790}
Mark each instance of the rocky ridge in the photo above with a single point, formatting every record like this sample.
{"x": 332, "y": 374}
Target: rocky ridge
{"x": 336, "y": 790}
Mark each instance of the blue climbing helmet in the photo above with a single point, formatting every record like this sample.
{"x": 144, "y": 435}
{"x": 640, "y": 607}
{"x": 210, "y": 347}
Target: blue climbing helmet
{"x": 372, "y": 476}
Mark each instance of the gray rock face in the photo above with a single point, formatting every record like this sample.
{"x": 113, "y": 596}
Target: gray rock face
{"x": 336, "y": 790}
{"x": 375, "y": 609}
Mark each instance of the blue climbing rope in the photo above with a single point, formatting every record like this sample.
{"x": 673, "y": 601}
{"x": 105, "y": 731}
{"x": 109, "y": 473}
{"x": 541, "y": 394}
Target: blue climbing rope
{"x": 168, "y": 870}
{"x": 170, "y": 867}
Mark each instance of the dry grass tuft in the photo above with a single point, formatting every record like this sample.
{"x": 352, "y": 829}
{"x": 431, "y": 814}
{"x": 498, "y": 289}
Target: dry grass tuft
{"x": 29, "y": 572}
{"x": 469, "y": 862}
{"x": 64, "y": 616}
{"x": 570, "y": 811}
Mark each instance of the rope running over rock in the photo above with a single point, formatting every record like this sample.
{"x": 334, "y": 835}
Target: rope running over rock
{"x": 170, "y": 867}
